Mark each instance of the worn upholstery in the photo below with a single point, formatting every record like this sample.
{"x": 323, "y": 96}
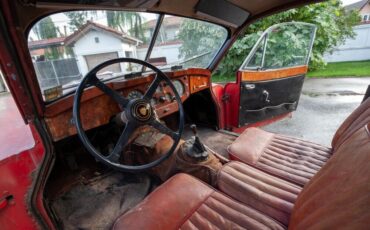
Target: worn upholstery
{"x": 358, "y": 118}
{"x": 338, "y": 196}
{"x": 184, "y": 202}
{"x": 261, "y": 191}
{"x": 289, "y": 158}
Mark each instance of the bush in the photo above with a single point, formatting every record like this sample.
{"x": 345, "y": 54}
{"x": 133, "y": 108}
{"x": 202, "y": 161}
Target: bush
{"x": 334, "y": 24}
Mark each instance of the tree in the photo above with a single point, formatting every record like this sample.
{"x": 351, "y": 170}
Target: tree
{"x": 46, "y": 29}
{"x": 207, "y": 37}
{"x": 334, "y": 24}
{"x": 77, "y": 19}
{"x": 131, "y": 20}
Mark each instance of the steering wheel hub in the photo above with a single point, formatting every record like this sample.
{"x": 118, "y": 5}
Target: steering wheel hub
{"x": 141, "y": 110}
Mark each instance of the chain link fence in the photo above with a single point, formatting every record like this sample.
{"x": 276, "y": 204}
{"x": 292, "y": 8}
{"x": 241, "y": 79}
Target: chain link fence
{"x": 56, "y": 72}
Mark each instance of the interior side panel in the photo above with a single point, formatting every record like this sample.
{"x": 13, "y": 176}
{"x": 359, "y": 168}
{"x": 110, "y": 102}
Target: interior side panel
{"x": 267, "y": 99}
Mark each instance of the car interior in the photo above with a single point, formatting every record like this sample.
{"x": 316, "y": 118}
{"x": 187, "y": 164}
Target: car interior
{"x": 140, "y": 144}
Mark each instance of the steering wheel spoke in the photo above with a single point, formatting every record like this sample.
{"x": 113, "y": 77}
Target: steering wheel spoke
{"x": 137, "y": 112}
{"x": 164, "y": 129}
{"x": 112, "y": 93}
{"x": 152, "y": 88}
{"x": 122, "y": 142}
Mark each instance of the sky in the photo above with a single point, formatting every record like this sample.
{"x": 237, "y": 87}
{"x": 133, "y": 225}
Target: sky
{"x": 347, "y": 2}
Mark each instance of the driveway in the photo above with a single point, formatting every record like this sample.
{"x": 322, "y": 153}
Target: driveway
{"x": 323, "y": 106}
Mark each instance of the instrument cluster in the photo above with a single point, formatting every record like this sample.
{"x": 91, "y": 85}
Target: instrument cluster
{"x": 163, "y": 94}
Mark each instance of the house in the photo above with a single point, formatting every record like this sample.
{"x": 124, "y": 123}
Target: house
{"x": 167, "y": 46}
{"x": 363, "y": 7}
{"x": 94, "y": 43}
{"x": 39, "y": 48}
{"x": 79, "y": 52}
{"x": 357, "y": 48}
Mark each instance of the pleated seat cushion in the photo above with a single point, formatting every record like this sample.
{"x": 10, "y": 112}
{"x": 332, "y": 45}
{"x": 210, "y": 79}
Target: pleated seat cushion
{"x": 289, "y": 158}
{"x": 184, "y": 202}
{"x": 266, "y": 193}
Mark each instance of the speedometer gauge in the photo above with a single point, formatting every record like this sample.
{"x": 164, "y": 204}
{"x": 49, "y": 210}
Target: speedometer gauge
{"x": 134, "y": 94}
{"x": 179, "y": 87}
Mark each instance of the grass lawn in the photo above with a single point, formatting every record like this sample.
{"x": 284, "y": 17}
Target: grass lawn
{"x": 343, "y": 69}
{"x": 338, "y": 69}
{"x": 221, "y": 78}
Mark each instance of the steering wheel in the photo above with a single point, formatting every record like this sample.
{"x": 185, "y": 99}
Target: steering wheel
{"x": 136, "y": 112}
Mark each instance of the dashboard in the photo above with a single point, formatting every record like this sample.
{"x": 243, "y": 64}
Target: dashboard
{"x": 97, "y": 108}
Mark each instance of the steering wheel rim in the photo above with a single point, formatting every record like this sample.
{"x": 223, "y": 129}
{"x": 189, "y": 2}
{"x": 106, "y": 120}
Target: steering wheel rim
{"x": 112, "y": 160}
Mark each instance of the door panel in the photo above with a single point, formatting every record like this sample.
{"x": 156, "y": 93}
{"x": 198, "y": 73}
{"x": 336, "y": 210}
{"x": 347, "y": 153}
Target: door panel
{"x": 268, "y": 99}
{"x": 271, "y": 78}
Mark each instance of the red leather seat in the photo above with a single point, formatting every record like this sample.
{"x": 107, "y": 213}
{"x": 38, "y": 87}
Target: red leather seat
{"x": 184, "y": 202}
{"x": 289, "y": 158}
{"x": 266, "y": 193}
{"x": 337, "y": 197}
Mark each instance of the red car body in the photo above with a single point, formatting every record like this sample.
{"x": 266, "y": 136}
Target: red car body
{"x": 23, "y": 144}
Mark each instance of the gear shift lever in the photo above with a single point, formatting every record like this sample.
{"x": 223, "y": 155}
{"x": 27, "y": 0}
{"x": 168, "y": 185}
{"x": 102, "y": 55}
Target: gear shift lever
{"x": 195, "y": 148}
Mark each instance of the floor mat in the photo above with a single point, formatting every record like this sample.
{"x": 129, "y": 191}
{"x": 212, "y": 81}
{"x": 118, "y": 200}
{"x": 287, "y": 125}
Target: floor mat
{"x": 97, "y": 205}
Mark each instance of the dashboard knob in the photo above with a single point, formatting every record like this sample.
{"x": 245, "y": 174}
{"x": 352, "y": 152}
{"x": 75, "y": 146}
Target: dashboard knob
{"x": 162, "y": 99}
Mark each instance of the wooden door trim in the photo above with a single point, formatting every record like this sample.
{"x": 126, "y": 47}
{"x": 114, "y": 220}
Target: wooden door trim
{"x": 253, "y": 75}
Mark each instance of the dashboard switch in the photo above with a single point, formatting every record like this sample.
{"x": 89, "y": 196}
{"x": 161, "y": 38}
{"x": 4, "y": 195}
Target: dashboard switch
{"x": 162, "y": 99}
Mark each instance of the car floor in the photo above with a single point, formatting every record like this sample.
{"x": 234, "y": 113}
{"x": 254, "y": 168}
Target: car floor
{"x": 218, "y": 141}
{"x": 92, "y": 197}
{"x": 97, "y": 203}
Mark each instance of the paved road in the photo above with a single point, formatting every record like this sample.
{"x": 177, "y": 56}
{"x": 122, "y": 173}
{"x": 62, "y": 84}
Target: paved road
{"x": 323, "y": 106}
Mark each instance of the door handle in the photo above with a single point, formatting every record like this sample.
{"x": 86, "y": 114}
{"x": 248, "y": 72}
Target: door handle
{"x": 266, "y": 95}
{"x": 250, "y": 86}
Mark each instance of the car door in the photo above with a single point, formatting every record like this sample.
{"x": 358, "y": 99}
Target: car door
{"x": 270, "y": 80}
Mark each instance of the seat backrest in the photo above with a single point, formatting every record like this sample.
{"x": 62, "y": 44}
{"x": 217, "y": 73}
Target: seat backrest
{"x": 338, "y": 196}
{"x": 358, "y": 118}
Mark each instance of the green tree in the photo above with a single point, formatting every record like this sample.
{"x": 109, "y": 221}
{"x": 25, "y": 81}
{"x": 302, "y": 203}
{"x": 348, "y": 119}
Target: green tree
{"x": 131, "y": 20}
{"x": 77, "y": 19}
{"x": 334, "y": 24}
{"x": 46, "y": 29}
{"x": 207, "y": 37}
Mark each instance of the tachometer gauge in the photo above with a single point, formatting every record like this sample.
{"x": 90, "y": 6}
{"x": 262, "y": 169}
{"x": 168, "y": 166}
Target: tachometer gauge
{"x": 179, "y": 87}
{"x": 134, "y": 94}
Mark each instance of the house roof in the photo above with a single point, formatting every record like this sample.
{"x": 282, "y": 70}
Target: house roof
{"x": 168, "y": 21}
{"x": 99, "y": 27}
{"x": 39, "y": 44}
{"x": 357, "y": 5}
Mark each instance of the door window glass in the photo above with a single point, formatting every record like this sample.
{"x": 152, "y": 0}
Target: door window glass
{"x": 283, "y": 45}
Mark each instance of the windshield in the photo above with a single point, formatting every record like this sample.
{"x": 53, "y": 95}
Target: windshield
{"x": 65, "y": 46}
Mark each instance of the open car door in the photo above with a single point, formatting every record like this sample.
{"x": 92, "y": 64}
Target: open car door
{"x": 270, "y": 80}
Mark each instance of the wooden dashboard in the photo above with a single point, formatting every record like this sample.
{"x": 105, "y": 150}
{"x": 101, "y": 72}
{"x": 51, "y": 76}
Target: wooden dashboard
{"x": 97, "y": 108}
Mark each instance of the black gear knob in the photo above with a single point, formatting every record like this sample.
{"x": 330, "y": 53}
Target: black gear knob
{"x": 194, "y": 129}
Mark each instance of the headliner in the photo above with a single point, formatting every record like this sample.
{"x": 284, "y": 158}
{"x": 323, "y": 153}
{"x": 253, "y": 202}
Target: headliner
{"x": 29, "y": 10}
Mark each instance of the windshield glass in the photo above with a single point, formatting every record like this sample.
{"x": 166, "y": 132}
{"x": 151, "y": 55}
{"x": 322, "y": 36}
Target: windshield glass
{"x": 65, "y": 46}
